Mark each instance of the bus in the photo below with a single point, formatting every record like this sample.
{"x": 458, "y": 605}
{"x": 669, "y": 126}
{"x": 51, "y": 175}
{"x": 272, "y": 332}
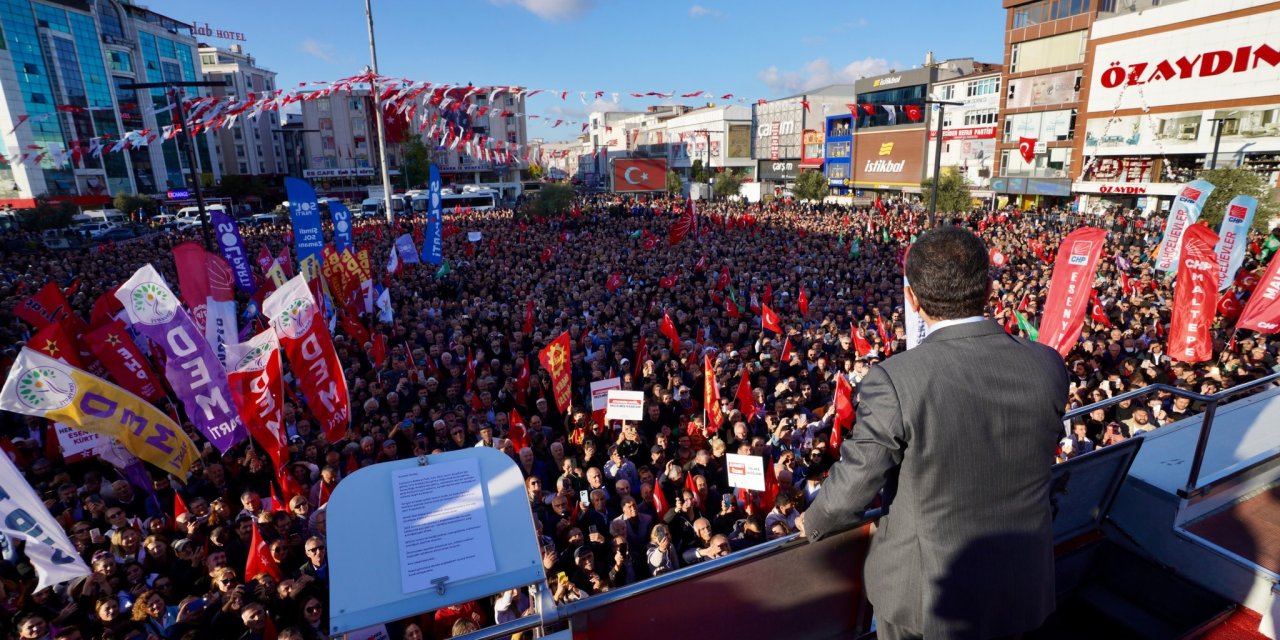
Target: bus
{"x": 483, "y": 200}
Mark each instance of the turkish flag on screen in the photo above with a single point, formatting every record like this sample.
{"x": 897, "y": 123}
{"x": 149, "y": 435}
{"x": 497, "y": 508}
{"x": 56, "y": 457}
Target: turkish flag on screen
{"x": 638, "y": 174}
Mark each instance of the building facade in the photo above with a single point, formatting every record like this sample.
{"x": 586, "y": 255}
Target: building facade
{"x": 248, "y": 146}
{"x": 779, "y": 129}
{"x": 719, "y": 136}
{"x": 968, "y": 129}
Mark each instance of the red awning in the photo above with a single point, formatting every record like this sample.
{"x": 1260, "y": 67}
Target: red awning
{"x": 79, "y": 201}
{"x": 812, "y": 162}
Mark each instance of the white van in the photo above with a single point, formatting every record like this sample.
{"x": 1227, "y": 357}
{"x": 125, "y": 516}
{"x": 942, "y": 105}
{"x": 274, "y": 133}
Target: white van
{"x": 113, "y": 216}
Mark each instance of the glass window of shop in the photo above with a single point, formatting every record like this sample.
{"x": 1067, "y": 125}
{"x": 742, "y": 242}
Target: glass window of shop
{"x": 1044, "y": 126}
{"x": 839, "y": 127}
{"x": 1054, "y": 51}
{"x": 895, "y": 98}
{"x": 839, "y": 149}
{"x": 837, "y": 171}
{"x": 1048, "y": 10}
{"x": 1054, "y": 163}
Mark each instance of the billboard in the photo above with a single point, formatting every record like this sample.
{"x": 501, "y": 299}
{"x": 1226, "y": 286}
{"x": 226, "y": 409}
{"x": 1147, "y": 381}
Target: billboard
{"x": 1048, "y": 89}
{"x": 639, "y": 174}
{"x": 889, "y": 159}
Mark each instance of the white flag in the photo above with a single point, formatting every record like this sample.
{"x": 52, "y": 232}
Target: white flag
{"x": 385, "y": 313}
{"x": 24, "y": 516}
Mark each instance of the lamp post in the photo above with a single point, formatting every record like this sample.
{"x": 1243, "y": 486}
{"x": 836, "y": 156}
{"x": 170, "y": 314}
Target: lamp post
{"x": 937, "y": 159}
{"x": 1217, "y": 137}
{"x": 189, "y": 145}
{"x": 377, "y": 107}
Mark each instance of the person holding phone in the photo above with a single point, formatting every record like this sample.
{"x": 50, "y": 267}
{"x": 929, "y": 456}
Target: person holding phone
{"x": 661, "y": 554}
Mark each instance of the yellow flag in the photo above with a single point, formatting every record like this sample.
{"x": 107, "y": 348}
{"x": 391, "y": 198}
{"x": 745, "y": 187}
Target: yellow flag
{"x": 41, "y": 386}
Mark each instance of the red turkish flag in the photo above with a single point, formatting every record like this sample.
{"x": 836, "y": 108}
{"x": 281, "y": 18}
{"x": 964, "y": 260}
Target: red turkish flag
{"x": 746, "y": 399}
{"x": 667, "y": 282}
{"x": 769, "y": 319}
{"x": 527, "y": 328}
{"x": 913, "y": 112}
{"x": 711, "y": 396}
{"x": 723, "y": 280}
{"x": 638, "y": 174}
{"x": 1194, "y": 295}
{"x": 1247, "y": 280}
{"x": 804, "y": 304}
{"x": 1096, "y": 312}
{"x": 731, "y": 309}
{"x": 1262, "y": 313}
{"x": 1071, "y": 288}
{"x": 614, "y": 281}
{"x": 844, "y": 412}
{"x": 660, "y": 503}
{"x": 555, "y": 359}
{"x": 861, "y": 345}
{"x": 1229, "y": 305}
{"x": 379, "y": 350}
{"x": 516, "y": 432}
{"x": 786, "y": 350}
{"x": 1027, "y": 148}
{"x": 260, "y": 560}
{"x": 682, "y": 226}
{"x": 179, "y": 506}
{"x": 668, "y": 329}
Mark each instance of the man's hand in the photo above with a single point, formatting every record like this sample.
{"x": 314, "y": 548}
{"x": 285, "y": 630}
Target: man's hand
{"x": 800, "y": 526}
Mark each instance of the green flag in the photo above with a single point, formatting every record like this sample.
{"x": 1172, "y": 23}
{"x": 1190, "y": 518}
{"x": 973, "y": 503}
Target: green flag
{"x": 885, "y": 238}
{"x": 635, "y": 235}
{"x": 855, "y": 248}
{"x": 1269, "y": 248}
{"x": 444, "y": 270}
{"x": 1026, "y": 326}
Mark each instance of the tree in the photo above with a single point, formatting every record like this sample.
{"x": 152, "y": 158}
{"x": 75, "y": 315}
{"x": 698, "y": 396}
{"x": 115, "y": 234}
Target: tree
{"x": 417, "y": 157}
{"x": 674, "y": 183}
{"x": 812, "y": 185}
{"x": 1236, "y": 181}
{"x": 554, "y": 200}
{"x": 697, "y": 173}
{"x": 46, "y": 215}
{"x": 534, "y": 172}
{"x": 127, "y": 203}
{"x": 728, "y": 184}
{"x": 953, "y": 192}
{"x": 243, "y": 187}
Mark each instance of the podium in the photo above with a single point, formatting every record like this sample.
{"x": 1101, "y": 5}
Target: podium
{"x": 416, "y": 535}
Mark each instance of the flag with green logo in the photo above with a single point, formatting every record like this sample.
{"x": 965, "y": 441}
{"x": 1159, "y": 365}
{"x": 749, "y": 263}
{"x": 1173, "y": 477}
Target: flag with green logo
{"x": 445, "y": 269}
{"x": 1026, "y": 327}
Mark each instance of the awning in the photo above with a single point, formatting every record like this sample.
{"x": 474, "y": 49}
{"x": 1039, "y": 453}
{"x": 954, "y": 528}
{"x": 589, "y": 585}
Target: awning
{"x": 812, "y": 162}
{"x": 79, "y": 201}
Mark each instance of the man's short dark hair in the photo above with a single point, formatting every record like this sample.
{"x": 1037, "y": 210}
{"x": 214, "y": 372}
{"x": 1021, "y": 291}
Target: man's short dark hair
{"x": 947, "y": 269}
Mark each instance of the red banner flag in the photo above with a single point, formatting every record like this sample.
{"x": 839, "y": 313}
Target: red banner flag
{"x": 47, "y": 306}
{"x": 260, "y": 560}
{"x": 1262, "y": 312}
{"x": 254, "y": 375}
{"x": 746, "y": 399}
{"x": 528, "y": 319}
{"x": 861, "y": 345}
{"x": 711, "y": 396}
{"x": 769, "y": 319}
{"x": 786, "y": 350}
{"x": 306, "y": 341}
{"x": 1195, "y": 296}
{"x": 804, "y": 304}
{"x": 1070, "y": 289}
{"x": 614, "y": 281}
{"x": 555, "y": 359}
{"x": 123, "y": 360}
{"x": 668, "y": 329}
{"x": 1027, "y": 147}
{"x": 681, "y": 227}
{"x": 844, "y": 413}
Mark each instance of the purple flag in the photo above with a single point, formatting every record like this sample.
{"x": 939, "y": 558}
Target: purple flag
{"x": 192, "y": 368}
{"x": 232, "y": 247}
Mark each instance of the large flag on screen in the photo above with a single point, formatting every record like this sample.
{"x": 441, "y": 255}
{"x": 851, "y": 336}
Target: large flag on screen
{"x": 1071, "y": 288}
{"x": 1186, "y": 210}
{"x": 304, "y": 215}
{"x": 23, "y": 516}
{"x": 555, "y": 359}
{"x": 206, "y": 284}
{"x": 46, "y": 388}
{"x": 306, "y": 341}
{"x": 227, "y": 233}
{"x": 433, "y": 245}
{"x": 257, "y": 386}
{"x": 192, "y": 368}
{"x": 1195, "y": 297}
{"x": 1233, "y": 238}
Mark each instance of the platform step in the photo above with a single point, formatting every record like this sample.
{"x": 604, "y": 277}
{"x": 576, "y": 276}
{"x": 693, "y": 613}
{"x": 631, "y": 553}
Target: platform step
{"x": 1142, "y": 623}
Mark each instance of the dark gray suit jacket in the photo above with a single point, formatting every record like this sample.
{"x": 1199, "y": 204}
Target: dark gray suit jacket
{"x": 961, "y": 432}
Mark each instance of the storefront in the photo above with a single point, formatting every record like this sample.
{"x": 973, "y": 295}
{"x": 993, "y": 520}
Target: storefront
{"x": 839, "y": 153}
{"x": 778, "y": 177}
{"x": 1032, "y": 193}
{"x": 778, "y": 145}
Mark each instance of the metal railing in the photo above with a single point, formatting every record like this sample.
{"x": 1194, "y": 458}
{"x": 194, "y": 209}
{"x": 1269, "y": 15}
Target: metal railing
{"x": 1192, "y": 488}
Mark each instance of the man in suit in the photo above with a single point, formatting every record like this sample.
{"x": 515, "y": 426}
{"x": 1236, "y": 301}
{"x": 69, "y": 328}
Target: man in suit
{"x": 960, "y": 432}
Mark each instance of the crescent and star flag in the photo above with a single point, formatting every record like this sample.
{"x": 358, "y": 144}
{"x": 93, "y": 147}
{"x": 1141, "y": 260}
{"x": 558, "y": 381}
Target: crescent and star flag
{"x": 231, "y": 245}
{"x": 555, "y": 359}
{"x": 208, "y": 289}
{"x": 1071, "y": 288}
{"x": 433, "y": 246}
{"x": 192, "y": 368}
{"x": 1229, "y": 306}
{"x": 711, "y": 396}
{"x": 23, "y": 516}
{"x": 1262, "y": 312}
{"x": 1027, "y": 148}
{"x": 769, "y": 320}
{"x": 844, "y": 412}
{"x": 305, "y": 339}
{"x": 614, "y": 281}
{"x": 746, "y": 399}
{"x": 257, "y": 386}
{"x": 683, "y": 224}
{"x": 1096, "y": 313}
{"x": 341, "y": 225}
{"x": 861, "y": 345}
{"x": 668, "y": 329}
{"x": 123, "y": 360}
{"x": 46, "y": 388}
{"x": 304, "y": 216}
{"x": 804, "y": 304}
{"x": 1231, "y": 238}
{"x": 786, "y": 351}
{"x": 260, "y": 560}
{"x": 48, "y": 305}
{"x": 1195, "y": 294}
{"x": 1186, "y": 210}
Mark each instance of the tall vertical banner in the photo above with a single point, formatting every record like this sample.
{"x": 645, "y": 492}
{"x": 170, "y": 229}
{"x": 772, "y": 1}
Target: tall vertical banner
{"x": 46, "y": 388}
{"x": 258, "y": 389}
{"x": 1071, "y": 288}
{"x": 1233, "y": 238}
{"x": 306, "y": 341}
{"x": 227, "y": 233}
{"x": 555, "y": 359}
{"x": 1262, "y": 312}
{"x": 1186, "y": 210}
{"x": 1195, "y": 297}
{"x": 433, "y": 246}
{"x": 341, "y": 225}
{"x": 206, "y": 284}
{"x": 192, "y": 368}
{"x": 23, "y": 516}
{"x": 304, "y": 215}
{"x": 711, "y": 396}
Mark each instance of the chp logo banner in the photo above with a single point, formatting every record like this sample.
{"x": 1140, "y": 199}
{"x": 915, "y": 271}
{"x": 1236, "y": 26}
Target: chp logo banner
{"x": 257, "y": 387}
{"x": 46, "y": 388}
{"x": 304, "y": 216}
{"x": 1070, "y": 289}
{"x": 206, "y": 283}
{"x": 1186, "y": 210}
{"x": 227, "y": 233}
{"x": 637, "y": 174}
{"x": 23, "y": 516}
{"x": 192, "y": 368}
{"x": 555, "y": 359}
{"x": 1232, "y": 237}
{"x": 1195, "y": 297}
{"x": 1262, "y": 313}
{"x": 306, "y": 341}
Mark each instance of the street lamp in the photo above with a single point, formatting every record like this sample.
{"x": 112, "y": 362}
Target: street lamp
{"x": 1217, "y": 137}
{"x": 377, "y": 107}
{"x": 181, "y": 112}
{"x": 937, "y": 159}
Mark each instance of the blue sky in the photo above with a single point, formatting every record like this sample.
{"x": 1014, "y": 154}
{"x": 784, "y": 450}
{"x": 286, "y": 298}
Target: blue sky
{"x": 750, "y": 48}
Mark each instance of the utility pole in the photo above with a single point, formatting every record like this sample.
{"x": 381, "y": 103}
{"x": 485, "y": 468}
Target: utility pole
{"x": 190, "y": 146}
{"x": 1217, "y": 138}
{"x": 377, "y": 107}
{"x": 937, "y": 159}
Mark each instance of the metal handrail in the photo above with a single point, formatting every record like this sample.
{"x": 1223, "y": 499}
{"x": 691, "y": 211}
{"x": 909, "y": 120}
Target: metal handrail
{"x": 1192, "y": 489}
{"x": 552, "y": 613}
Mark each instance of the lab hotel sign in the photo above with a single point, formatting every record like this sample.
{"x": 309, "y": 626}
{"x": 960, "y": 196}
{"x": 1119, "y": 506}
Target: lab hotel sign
{"x": 888, "y": 160}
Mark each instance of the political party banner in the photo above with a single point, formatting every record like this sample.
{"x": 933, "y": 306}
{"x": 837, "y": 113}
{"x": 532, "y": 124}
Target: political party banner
{"x": 304, "y": 215}
{"x": 276, "y": 274}
{"x": 366, "y": 278}
{"x": 306, "y": 341}
{"x": 354, "y": 276}
{"x": 124, "y": 362}
{"x": 77, "y": 445}
{"x": 46, "y": 388}
{"x": 23, "y": 516}
{"x": 207, "y": 286}
{"x": 192, "y": 368}
{"x": 555, "y": 359}
{"x": 227, "y": 233}
{"x": 1071, "y": 288}
{"x": 258, "y": 388}
{"x": 433, "y": 246}
{"x": 1233, "y": 238}
{"x": 1262, "y": 312}
{"x": 1195, "y": 297}
{"x": 341, "y": 225}
{"x": 624, "y": 405}
{"x": 405, "y": 251}
{"x": 335, "y": 277}
{"x": 1186, "y": 210}
{"x": 47, "y": 306}
{"x": 711, "y": 396}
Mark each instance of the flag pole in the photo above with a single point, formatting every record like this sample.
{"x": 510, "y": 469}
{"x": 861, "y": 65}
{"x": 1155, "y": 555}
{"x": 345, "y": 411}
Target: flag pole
{"x": 377, "y": 107}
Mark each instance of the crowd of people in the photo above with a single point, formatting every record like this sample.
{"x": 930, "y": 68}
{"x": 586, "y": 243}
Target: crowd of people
{"x": 656, "y": 491}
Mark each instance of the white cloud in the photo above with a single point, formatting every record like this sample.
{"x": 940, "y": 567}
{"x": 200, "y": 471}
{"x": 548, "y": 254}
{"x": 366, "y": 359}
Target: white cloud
{"x": 819, "y": 73}
{"x": 849, "y": 25}
{"x": 317, "y": 49}
{"x": 552, "y": 10}
{"x": 699, "y": 11}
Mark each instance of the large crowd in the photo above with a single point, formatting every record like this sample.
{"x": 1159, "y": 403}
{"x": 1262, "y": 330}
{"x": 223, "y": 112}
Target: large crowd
{"x": 657, "y": 493}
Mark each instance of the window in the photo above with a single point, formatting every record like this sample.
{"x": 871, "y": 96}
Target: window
{"x": 244, "y": 168}
{"x": 979, "y": 117}
{"x": 236, "y": 133}
{"x": 983, "y": 87}
{"x": 208, "y": 58}
{"x": 355, "y": 104}
{"x": 1047, "y": 10}
{"x": 30, "y": 69}
{"x": 239, "y": 151}
{"x": 1053, "y": 51}
{"x": 947, "y": 92}
{"x": 1044, "y": 126}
